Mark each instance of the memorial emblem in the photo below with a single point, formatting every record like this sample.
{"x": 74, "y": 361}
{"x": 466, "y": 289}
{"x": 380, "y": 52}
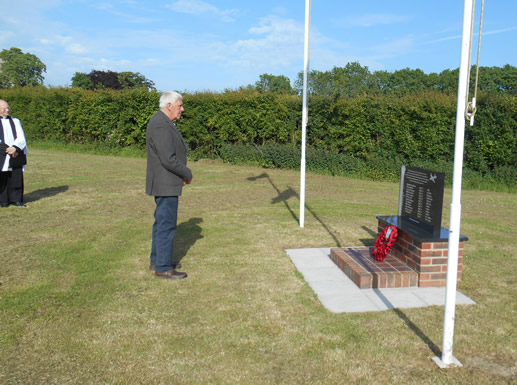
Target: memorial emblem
{"x": 421, "y": 198}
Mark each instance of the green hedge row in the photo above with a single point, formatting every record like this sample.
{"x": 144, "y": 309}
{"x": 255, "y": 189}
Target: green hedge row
{"x": 411, "y": 128}
{"x": 116, "y": 118}
{"x": 501, "y": 178}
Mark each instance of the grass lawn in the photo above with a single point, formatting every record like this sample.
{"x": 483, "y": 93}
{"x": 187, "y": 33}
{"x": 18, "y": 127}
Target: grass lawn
{"x": 78, "y": 304}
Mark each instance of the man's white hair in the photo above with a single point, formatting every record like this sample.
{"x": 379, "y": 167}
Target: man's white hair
{"x": 169, "y": 97}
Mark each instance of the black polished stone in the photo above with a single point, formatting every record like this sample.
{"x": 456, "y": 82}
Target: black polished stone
{"x": 422, "y": 197}
{"x": 416, "y": 230}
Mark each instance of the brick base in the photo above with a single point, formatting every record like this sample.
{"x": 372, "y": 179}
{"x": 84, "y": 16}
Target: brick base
{"x": 427, "y": 258}
{"x": 417, "y": 258}
{"x": 368, "y": 273}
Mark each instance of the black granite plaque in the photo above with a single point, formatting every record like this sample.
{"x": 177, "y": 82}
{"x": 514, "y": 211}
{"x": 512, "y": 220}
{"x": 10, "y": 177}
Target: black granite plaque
{"x": 422, "y": 197}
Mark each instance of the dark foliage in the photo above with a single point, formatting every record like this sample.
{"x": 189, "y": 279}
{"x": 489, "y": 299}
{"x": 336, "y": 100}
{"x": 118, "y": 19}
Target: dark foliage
{"x": 105, "y": 79}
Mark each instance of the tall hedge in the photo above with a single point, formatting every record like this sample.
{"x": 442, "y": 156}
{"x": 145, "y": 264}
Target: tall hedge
{"x": 116, "y": 118}
{"x": 417, "y": 127}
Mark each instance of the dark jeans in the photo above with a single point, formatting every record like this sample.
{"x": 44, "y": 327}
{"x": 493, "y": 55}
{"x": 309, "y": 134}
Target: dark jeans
{"x": 164, "y": 229}
{"x": 11, "y": 186}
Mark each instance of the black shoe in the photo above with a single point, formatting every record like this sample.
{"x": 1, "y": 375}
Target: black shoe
{"x": 19, "y": 204}
{"x": 171, "y": 274}
{"x": 4, "y": 205}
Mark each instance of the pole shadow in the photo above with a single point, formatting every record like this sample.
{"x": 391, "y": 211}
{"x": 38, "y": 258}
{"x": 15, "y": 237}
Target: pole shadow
{"x": 189, "y": 233}
{"x": 410, "y": 324}
{"x": 368, "y": 241}
{"x": 284, "y": 196}
{"x": 44, "y": 193}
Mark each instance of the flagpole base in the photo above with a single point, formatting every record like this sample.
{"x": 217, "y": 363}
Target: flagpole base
{"x": 443, "y": 365}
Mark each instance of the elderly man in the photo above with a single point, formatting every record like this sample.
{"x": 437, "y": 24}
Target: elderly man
{"x": 167, "y": 173}
{"x": 12, "y": 147}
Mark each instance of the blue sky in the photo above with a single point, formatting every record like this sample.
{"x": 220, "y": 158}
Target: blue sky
{"x": 199, "y": 45}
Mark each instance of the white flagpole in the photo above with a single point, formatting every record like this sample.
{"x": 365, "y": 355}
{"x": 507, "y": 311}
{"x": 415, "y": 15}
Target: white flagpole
{"x": 305, "y": 108}
{"x": 447, "y": 358}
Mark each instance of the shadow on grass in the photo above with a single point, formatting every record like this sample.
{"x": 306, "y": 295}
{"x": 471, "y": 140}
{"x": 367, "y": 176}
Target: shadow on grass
{"x": 188, "y": 234}
{"x": 368, "y": 241}
{"x": 284, "y": 196}
{"x": 410, "y": 324}
{"x": 44, "y": 193}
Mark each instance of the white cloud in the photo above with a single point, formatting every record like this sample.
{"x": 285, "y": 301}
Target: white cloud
{"x": 108, "y": 64}
{"x": 396, "y": 47}
{"x": 6, "y": 37}
{"x": 65, "y": 42}
{"x": 198, "y": 7}
{"x": 485, "y": 33}
{"x": 104, "y": 6}
{"x": 372, "y": 19}
{"x": 134, "y": 18}
{"x": 497, "y": 31}
{"x": 75, "y": 48}
{"x": 276, "y": 44}
{"x": 174, "y": 48}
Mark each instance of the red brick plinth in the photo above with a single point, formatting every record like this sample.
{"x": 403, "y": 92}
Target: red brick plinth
{"x": 368, "y": 273}
{"x": 418, "y": 258}
{"x": 428, "y": 258}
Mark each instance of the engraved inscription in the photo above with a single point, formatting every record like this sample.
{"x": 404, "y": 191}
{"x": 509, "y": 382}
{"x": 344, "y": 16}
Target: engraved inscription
{"x": 422, "y": 196}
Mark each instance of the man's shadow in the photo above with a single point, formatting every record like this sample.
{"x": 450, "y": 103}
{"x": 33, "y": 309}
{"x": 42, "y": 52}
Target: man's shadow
{"x": 188, "y": 234}
{"x": 44, "y": 193}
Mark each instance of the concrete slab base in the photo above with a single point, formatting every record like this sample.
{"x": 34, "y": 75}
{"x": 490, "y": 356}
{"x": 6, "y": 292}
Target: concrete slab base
{"x": 443, "y": 365}
{"x": 339, "y": 294}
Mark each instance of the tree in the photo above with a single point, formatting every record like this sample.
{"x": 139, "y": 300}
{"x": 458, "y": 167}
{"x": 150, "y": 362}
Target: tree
{"x": 354, "y": 79}
{"x": 18, "y": 69}
{"x": 496, "y": 79}
{"x": 381, "y": 81}
{"x": 319, "y": 83}
{"x": 82, "y": 80}
{"x": 272, "y": 83}
{"x": 135, "y": 80}
{"x": 508, "y": 81}
{"x": 407, "y": 81}
{"x": 449, "y": 81}
{"x": 105, "y": 79}
{"x": 111, "y": 79}
{"x": 351, "y": 80}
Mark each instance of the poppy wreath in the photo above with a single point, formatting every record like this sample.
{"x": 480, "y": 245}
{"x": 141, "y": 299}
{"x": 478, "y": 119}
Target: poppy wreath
{"x": 384, "y": 243}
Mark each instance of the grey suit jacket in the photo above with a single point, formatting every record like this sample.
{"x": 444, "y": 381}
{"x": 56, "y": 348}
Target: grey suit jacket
{"x": 166, "y": 157}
